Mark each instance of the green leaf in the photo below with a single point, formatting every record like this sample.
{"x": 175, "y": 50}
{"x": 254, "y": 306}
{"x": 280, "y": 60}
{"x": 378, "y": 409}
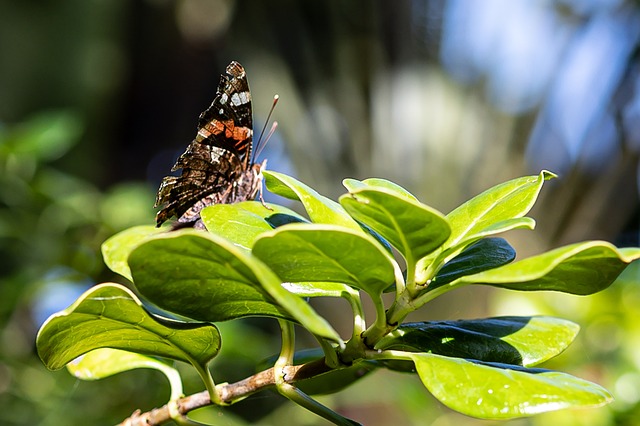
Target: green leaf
{"x": 101, "y": 363}
{"x": 413, "y": 228}
{"x": 320, "y": 289}
{"x": 497, "y": 391}
{"x": 116, "y": 250}
{"x": 487, "y": 253}
{"x": 581, "y": 268}
{"x": 206, "y": 277}
{"x": 523, "y": 341}
{"x": 111, "y": 316}
{"x": 299, "y": 253}
{"x": 319, "y": 208}
{"x": 509, "y": 200}
{"x": 497, "y": 228}
{"x": 105, "y": 362}
{"x": 353, "y": 185}
{"x": 243, "y": 222}
{"x": 48, "y": 135}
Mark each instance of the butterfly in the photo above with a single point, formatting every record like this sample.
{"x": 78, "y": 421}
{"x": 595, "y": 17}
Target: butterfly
{"x": 216, "y": 166}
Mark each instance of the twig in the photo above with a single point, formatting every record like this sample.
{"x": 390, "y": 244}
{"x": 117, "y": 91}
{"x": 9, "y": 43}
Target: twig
{"x": 229, "y": 393}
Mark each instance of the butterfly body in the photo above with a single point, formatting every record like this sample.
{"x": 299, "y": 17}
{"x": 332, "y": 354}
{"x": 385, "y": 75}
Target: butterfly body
{"x": 216, "y": 166}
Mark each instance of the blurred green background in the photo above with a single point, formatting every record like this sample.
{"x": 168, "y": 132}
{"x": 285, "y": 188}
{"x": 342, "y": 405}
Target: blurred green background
{"x": 447, "y": 98}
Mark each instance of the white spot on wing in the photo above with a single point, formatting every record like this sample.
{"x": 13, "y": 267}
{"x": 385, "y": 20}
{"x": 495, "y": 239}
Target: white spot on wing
{"x": 240, "y": 98}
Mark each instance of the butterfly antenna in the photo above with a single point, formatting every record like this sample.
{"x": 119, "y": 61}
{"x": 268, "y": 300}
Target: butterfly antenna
{"x": 261, "y": 144}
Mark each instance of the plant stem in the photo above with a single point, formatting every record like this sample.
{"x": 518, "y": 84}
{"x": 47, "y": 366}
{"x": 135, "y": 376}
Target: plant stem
{"x": 304, "y": 400}
{"x": 229, "y": 393}
{"x": 288, "y": 344}
{"x": 359, "y": 321}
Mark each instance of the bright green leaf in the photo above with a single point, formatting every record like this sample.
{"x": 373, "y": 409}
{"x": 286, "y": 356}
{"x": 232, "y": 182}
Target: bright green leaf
{"x": 443, "y": 256}
{"x": 101, "y": 363}
{"x": 498, "y": 391}
{"x": 319, "y": 208}
{"x": 353, "y": 185}
{"x": 116, "y": 250}
{"x": 299, "y": 253}
{"x": 111, "y": 316}
{"x": 413, "y": 228}
{"x": 241, "y": 223}
{"x": 581, "y": 268}
{"x": 105, "y": 362}
{"x": 320, "y": 289}
{"x": 206, "y": 277}
{"x": 523, "y": 341}
{"x": 509, "y": 200}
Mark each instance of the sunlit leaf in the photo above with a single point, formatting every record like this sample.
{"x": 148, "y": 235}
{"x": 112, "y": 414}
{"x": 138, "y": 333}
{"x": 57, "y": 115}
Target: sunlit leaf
{"x": 116, "y": 250}
{"x": 509, "y": 200}
{"x": 446, "y": 254}
{"x": 106, "y": 362}
{"x": 413, "y": 228}
{"x": 353, "y": 185}
{"x": 581, "y": 268}
{"x": 243, "y": 222}
{"x": 299, "y": 253}
{"x": 319, "y": 208}
{"x": 111, "y": 316}
{"x": 320, "y": 289}
{"x": 500, "y": 391}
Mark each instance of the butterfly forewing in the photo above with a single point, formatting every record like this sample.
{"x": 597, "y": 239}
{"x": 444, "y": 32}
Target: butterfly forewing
{"x": 216, "y": 166}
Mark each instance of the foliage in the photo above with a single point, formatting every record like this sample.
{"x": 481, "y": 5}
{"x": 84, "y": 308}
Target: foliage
{"x": 52, "y": 223}
{"x": 265, "y": 260}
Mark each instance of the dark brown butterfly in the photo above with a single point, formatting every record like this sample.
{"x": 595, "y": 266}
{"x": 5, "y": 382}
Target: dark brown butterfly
{"x": 216, "y": 167}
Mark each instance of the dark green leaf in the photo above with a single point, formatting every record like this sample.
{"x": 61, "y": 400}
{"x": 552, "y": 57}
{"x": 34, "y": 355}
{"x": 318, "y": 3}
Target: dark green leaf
{"x": 111, "y": 316}
{"x": 524, "y": 341}
{"x": 581, "y": 268}
{"x": 487, "y": 253}
{"x": 446, "y": 254}
{"x": 206, "y": 277}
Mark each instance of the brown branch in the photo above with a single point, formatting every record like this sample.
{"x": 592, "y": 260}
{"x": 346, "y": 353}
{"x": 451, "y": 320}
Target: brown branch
{"x": 229, "y": 393}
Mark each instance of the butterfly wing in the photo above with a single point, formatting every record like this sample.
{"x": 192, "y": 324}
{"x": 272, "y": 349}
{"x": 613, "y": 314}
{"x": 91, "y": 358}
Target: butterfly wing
{"x": 217, "y": 159}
